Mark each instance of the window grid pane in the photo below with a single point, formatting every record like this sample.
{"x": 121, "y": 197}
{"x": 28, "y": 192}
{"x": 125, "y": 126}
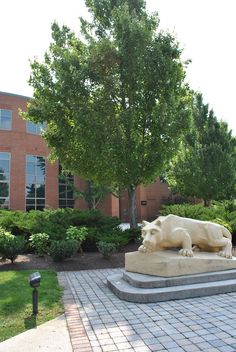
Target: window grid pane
{"x": 35, "y": 182}
{"x": 5, "y": 119}
{"x": 4, "y": 179}
{"x": 65, "y": 188}
{"x": 34, "y": 128}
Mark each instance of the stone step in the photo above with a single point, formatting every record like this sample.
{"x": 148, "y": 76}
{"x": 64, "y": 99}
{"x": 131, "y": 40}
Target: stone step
{"x": 125, "y": 291}
{"x": 149, "y": 281}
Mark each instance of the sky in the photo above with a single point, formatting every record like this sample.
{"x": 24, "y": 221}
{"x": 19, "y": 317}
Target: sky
{"x": 205, "y": 29}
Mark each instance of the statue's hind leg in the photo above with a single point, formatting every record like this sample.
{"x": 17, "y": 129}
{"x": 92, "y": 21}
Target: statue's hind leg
{"x": 225, "y": 245}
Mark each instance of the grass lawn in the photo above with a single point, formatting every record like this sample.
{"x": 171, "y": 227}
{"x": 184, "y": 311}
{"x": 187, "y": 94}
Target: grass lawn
{"x": 16, "y": 301}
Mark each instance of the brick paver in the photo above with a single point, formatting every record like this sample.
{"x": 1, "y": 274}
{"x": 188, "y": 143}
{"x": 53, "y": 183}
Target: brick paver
{"x": 78, "y": 335}
{"x": 98, "y": 321}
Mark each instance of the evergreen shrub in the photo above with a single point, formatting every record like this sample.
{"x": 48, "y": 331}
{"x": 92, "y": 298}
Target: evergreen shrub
{"x": 61, "y": 250}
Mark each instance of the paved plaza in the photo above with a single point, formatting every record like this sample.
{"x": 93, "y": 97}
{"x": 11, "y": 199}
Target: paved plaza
{"x": 99, "y": 321}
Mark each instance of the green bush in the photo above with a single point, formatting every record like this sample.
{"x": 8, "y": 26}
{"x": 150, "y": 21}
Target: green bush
{"x": 14, "y": 222}
{"x": 198, "y": 212}
{"x": 89, "y": 244}
{"x": 106, "y": 249}
{"x": 133, "y": 234}
{"x": 10, "y": 245}
{"x": 226, "y": 206}
{"x": 61, "y": 250}
{"x": 223, "y": 223}
{"x": 76, "y": 233}
{"x": 39, "y": 241}
{"x": 119, "y": 241}
{"x": 56, "y": 222}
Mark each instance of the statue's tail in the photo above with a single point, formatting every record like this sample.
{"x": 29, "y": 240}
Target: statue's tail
{"x": 226, "y": 233}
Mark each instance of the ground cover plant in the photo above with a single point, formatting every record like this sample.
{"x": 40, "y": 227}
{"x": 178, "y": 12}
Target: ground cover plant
{"x": 16, "y": 301}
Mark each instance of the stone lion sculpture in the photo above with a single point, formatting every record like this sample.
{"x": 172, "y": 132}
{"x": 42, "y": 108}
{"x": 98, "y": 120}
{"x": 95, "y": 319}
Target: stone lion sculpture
{"x": 173, "y": 231}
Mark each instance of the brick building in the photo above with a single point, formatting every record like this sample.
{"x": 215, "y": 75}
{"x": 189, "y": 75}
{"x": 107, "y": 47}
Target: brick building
{"x": 29, "y": 181}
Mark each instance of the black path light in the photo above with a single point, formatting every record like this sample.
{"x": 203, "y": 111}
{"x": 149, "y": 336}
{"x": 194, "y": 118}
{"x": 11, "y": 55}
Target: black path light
{"x": 34, "y": 281}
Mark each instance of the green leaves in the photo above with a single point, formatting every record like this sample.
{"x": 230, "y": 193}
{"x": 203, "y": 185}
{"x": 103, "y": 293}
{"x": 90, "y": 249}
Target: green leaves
{"x": 205, "y": 167}
{"x": 116, "y": 103}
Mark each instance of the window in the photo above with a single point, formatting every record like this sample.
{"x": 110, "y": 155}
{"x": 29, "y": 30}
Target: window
{"x": 35, "y": 182}
{"x": 66, "y": 186}
{"x": 35, "y": 128}
{"x": 5, "y": 119}
{"x": 4, "y": 179}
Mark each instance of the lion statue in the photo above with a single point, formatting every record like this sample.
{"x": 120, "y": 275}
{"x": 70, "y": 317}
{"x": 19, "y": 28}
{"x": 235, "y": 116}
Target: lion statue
{"x": 173, "y": 231}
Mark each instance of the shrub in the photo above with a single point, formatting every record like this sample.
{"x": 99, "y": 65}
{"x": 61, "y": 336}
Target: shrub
{"x": 75, "y": 233}
{"x": 89, "y": 244}
{"x": 118, "y": 237}
{"x": 133, "y": 234}
{"x": 119, "y": 240}
{"x": 10, "y": 245}
{"x": 39, "y": 241}
{"x": 60, "y": 250}
{"x": 223, "y": 223}
{"x": 106, "y": 249}
{"x": 56, "y": 222}
{"x": 198, "y": 212}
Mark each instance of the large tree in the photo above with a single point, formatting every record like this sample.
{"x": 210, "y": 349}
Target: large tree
{"x": 114, "y": 99}
{"x": 206, "y": 164}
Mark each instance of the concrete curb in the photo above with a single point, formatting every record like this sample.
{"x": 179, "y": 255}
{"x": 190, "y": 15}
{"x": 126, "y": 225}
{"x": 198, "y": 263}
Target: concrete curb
{"x": 50, "y": 336}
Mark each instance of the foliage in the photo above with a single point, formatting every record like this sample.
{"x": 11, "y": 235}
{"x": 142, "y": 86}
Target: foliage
{"x": 78, "y": 234}
{"x": 223, "y": 223}
{"x": 89, "y": 244}
{"x": 115, "y": 101}
{"x": 14, "y": 221}
{"x": 61, "y": 250}
{"x": 227, "y": 207}
{"x": 94, "y": 193}
{"x": 132, "y": 234}
{"x": 55, "y": 222}
{"x": 10, "y": 245}
{"x": 118, "y": 238}
{"x": 39, "y": 241}
{"x": 205, "y": 167}
{"x": 75, "y": 233}
{"x": 198, "y": 212}
{"x": 106, "y": 248}
{"x": 16, "y": 301}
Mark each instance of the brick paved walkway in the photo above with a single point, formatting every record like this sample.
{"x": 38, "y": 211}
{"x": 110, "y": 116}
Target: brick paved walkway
{"x": 102, "y": 322}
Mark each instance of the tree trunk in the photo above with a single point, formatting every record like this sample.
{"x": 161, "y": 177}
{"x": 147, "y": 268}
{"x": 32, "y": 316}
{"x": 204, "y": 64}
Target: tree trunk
{"x": 89, "y": 201}
{"x": 132, "y": 207}
{"x": 207, "y": 202}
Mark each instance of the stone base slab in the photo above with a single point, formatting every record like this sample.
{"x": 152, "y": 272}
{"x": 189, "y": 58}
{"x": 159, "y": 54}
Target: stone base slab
{"x": 170, "y": 263}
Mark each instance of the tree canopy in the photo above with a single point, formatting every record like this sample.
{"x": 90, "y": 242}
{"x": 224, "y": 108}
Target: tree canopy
{"x": 114, "y": 98}
{"x": 206, "y": 165}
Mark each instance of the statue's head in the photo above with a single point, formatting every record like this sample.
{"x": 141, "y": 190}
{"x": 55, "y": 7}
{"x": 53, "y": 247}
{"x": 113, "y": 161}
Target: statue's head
{"x": 151, "y": 234}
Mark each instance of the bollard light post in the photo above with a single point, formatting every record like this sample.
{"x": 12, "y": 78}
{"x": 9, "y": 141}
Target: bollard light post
{"x": 34, "y": 281}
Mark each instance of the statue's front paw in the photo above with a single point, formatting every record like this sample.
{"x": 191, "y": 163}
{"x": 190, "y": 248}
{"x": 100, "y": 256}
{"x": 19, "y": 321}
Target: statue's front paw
{"x": 142, "y": 249}
{"x": 225, "y": 254}
{"x": 185, "y": 252}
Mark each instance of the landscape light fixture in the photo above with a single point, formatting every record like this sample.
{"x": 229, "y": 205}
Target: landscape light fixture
{"x": 34, "y": 281}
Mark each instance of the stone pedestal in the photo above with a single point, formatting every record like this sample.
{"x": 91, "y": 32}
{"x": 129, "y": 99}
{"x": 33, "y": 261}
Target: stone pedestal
{"x": 169, "y": 263}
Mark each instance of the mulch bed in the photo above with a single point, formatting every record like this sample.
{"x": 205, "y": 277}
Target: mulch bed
{"x": 87, "y": 261}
